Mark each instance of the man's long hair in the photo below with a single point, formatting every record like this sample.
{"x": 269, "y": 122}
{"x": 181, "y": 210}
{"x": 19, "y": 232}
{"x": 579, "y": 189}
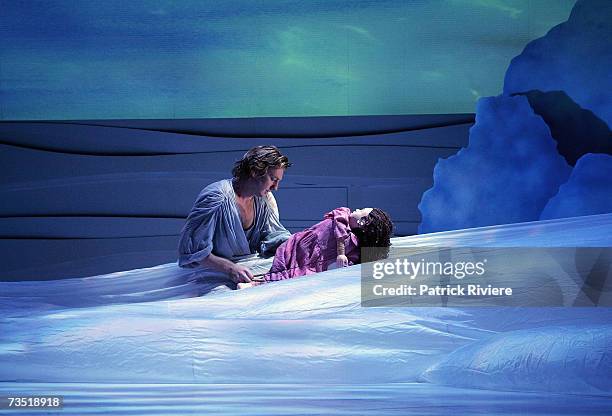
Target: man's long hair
{"x": 258, "y": 160}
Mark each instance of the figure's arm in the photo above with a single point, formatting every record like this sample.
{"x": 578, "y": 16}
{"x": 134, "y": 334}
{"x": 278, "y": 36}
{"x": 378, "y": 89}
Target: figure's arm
{"x": 341, "y": 259}
{"x": 341, "y": 232}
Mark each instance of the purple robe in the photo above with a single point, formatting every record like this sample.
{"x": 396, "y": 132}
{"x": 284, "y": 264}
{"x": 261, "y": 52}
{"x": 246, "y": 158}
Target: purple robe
{"x": 313, "y": 250}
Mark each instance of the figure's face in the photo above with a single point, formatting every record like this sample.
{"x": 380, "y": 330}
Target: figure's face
{"x": 269, "y": 182}
{"x": 357, "y": 215}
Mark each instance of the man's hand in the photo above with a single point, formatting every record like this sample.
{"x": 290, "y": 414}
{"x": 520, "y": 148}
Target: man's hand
{"x": 240, "y": 274}
{"x": 342, "y": 261}
{"x": 237, "y": 272}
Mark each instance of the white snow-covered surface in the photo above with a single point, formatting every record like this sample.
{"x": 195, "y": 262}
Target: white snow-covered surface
{"x": 167, "y": 325}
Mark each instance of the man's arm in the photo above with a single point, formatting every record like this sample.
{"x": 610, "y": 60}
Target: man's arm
{"x": 273, "y": 234}
{"x": 272, "y": 203}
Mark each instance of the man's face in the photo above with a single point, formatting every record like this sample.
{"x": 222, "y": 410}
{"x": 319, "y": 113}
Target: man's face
{"x": 269, "y": 182}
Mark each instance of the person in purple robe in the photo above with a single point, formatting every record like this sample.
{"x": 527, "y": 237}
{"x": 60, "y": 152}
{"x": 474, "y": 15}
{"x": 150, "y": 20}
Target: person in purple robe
{"x": 333, "y": 242}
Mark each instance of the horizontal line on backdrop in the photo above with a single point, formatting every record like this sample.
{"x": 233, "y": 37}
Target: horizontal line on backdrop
{"x": 140, "y": 154}
{"x": 469, "y": 119}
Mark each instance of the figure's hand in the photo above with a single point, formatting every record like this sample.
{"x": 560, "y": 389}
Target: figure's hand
{"x": 240, "y": 274}
{"x": 342, "y": 261}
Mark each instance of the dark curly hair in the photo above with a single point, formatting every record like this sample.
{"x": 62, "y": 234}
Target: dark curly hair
{"x": 375, "y": 234}
{"x": 258, "y": 160}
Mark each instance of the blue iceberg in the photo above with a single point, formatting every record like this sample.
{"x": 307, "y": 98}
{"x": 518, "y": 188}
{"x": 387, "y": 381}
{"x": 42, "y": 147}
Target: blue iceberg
{"x": 506, "y": 174}
{"x": 587, "y": 192}
{"x": 573, "y": 57}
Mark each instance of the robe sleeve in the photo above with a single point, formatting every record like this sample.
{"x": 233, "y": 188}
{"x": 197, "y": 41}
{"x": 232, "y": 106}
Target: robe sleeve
{"x": 273, "y": 233}
{"x": 340, "y": 217}
{"x": 196, "y": 240}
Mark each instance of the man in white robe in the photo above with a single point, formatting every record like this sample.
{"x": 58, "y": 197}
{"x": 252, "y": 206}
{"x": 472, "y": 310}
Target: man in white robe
{"x": 236, "y": 217}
